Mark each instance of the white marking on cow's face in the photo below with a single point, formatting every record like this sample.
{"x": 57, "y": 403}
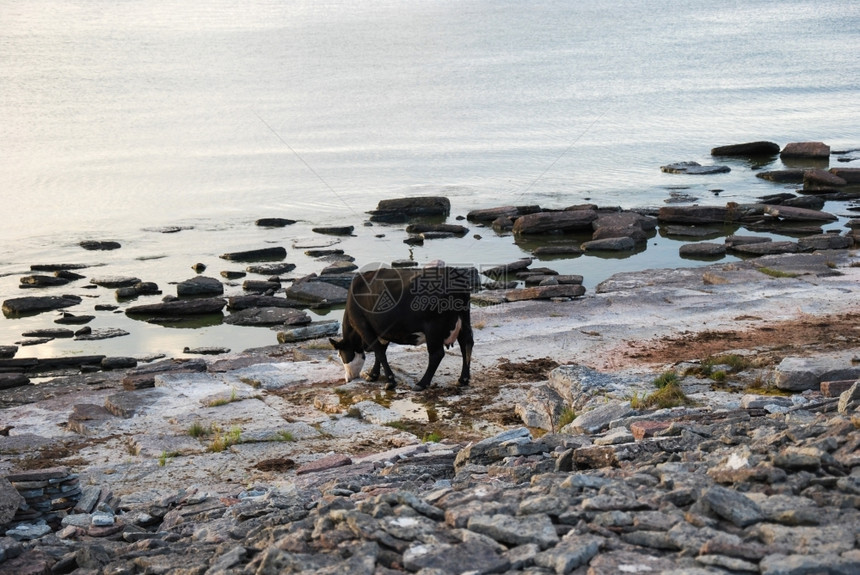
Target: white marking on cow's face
{"x": 353, "y": 368}
{"x": 455, "y": 333}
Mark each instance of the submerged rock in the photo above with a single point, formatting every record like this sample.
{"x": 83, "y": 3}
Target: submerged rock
{"x": 95, "y": 245}
{"x": 179, "y": 307}
{"x": 274, "y": 222}
{"x": 266, "y": 316}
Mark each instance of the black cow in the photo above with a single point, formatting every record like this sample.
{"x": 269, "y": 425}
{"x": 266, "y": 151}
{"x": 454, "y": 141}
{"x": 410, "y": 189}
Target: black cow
{"x": 408, "y": 307}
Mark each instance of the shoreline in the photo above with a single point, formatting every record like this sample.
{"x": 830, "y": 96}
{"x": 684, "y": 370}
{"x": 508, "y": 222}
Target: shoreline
{"x": 300, "y": 427}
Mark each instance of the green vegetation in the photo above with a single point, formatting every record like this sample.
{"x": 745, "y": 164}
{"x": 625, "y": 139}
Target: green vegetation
{"x": 432, "y": 437}
{"x": 397, "y": 425}
{"x": 224, "y": 440}
{"x": 567, "y": 415}
{"x": 198, "y": 430}
{"x": 166, "y": 456}
{"x": 223, "y": 400}
{"x": 668, "y": 394}
{"x": 776, "y": 273}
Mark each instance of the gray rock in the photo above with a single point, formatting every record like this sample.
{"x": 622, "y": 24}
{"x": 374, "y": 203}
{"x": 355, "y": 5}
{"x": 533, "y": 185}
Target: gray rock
{"x": 599, "y": 418}
{"x": 766, "y": 248}
{"x": 824, "y": 242}
{"x": 732, "y": 505}
{"x": 536, "y": 528}
{"x": 748, "y": 149}
{"x": 311, "y": 331}
{"x": 317, "y": 292}
{"x": 114, "y": 282}
{"x": 10, "y": 499}
{"x": 779, "y": 564}
{"x": 267, "y": 316}
{"x": 702, "y": 250}
{"x": 8, "y": 351}
{"x": 447, "y": 558}
{"x": 490, "y": 214}
{"x": 100, "y": 334}
{"x": 789, "y": 213}
{"x": 49, "y": 332}
{"x": 577, "y": 383}
{"x": 567, "y": 221}
{"x": 609, "y": 244}
{"x": 507, "y": 269}
{"x": 198, "y": 306}
{"x": 262, "y": 254}
{"x": 34, "y": 304}
{"x": 805, "y": 150}
{"x": 10, "y": 380}
{"x": 558, "y": 290}
{"x": 274, "y": 222}
{"x": 693, "y": 168}
{"x": 95, "y": 245}
{"x": 803, "y": 373}
{"x": 334, "y": 230}
{"x": 541, "y": 408}
{"x": 37, "y": 281}
{"x": 572, "y": 551}
{"x": 271, "y": 269}
{"x": 199, "y": 286}
{"x": 849, "y": 399}
{"x": 492, "y": 448}
{"x": 402, "y": 209}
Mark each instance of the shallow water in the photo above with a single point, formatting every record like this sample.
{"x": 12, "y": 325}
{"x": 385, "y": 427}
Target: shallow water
{"x": 120, "y": 119}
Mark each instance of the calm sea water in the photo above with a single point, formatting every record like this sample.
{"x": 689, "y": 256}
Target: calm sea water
{"x": 121, "y": 118}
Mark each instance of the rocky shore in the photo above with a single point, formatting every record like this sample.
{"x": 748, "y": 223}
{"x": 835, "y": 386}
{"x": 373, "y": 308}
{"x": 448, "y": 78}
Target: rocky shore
{"x": 265, "y": 462}
{"x": 690, "y": 420}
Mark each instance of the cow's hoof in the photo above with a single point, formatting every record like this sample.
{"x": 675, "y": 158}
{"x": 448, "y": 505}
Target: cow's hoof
{"x": 371, "y": 376}
{"x": 462, "y": 382}
{"x": 421, "y": 386}
{"x": 391, "y": 385}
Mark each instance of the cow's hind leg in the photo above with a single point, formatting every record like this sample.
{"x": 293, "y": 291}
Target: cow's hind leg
{"x": 466, "y": 341}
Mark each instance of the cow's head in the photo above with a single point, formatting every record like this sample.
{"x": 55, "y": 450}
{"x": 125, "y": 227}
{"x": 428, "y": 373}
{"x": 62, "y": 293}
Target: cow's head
{"x": 352, "y": 360}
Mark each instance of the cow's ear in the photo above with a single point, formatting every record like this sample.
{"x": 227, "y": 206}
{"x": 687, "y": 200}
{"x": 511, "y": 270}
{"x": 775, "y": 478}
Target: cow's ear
{"x": 334, "y": 343}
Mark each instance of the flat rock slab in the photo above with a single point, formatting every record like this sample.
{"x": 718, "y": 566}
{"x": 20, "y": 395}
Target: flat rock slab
{"x": 790, "y": 213}
{"x": 555, "y": 222}
{"x": 158, "y": 445}
{"x": 114, "y": 282}
{"x": 545, "y": 292}
{"x": 267, "y": 316}
{"x": 377, "y": 414}
{"x": 317, "y": 292}
{"x": 200, "y": 306}
{"x": 275, "y": 253}
{"x": 324, "y": 464}
{"x": 87, "y": 418}
{"x": 803, "y": 373}
{"x": 747, "y": 149}
{"x": 127, "y": 404}
{"x": 101, "y": 333}
{"x": 10, "y": 380}
{"x": 313, "y": 331}
{"x": 693, "y": 168}
{"x": 599, "y": 418}
{"x": 34, "y": 304}
{"x": 271, "y": 269}
{"x": 798, "y": 264}
{"x": 200, "y": 286}
{"x": 268, "y": 376}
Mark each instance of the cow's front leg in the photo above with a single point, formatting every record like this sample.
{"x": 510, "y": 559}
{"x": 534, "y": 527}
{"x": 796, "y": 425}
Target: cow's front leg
{"x": 436, "y": 353}
{"x": 373, "y": 375}
{"x": 381, "y": 359}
